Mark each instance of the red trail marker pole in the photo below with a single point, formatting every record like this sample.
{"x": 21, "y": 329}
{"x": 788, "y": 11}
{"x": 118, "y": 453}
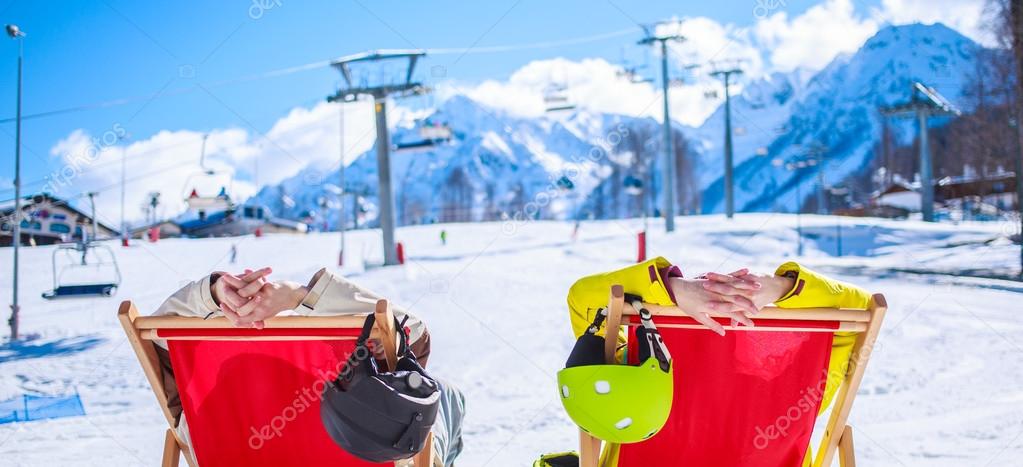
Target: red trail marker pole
{"x": 641, "y": 243}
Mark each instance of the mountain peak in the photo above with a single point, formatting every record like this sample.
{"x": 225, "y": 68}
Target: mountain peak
{"x": 915, "y": 35}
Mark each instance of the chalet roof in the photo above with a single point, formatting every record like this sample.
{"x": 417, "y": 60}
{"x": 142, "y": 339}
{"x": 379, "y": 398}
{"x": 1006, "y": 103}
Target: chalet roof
{"x": 7, "y": 207}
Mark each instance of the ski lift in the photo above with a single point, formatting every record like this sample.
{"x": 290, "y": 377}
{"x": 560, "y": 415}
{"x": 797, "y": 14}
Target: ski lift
{"x": 633, "y": 185}
{"x": 564, "y": 183}
{"x": 77, "y": 259}
{"x": 431, "y": 134}
{"x": 220, "y": 202}
{"x": 556, "y": 99}
{"x": 632, "y": 74}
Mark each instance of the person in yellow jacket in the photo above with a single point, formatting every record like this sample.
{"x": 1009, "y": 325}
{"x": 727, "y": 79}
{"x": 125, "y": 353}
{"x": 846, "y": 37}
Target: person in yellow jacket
{"x": 737, "y": 296}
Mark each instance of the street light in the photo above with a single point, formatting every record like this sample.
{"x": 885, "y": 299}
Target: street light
{"x": 15, "y": 33}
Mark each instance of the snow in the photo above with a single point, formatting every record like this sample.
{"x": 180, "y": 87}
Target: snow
{"x": 944, "y": 387}
{"x": 837, "y": 107}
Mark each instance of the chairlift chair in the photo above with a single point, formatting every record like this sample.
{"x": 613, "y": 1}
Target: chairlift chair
{"x": 220, "y": 202}
{"x": 64, "y": 288}
{"x": 431, "y": 134}
{"x": 555, "y": 99}
{"x": 565, "y": 184}
{"x": 633, "y": 185}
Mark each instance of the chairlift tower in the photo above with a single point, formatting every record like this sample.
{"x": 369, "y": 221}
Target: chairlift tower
{"x": 725, "y": 74}
{"x": 366, "y": 74}
{"x": 816, "y": 152}
{"x": 652, "y": 37}
{"x": 924, "y": 103}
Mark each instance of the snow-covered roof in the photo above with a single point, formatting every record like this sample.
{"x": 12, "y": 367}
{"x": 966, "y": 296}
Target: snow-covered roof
{"x": 7, "y": 207}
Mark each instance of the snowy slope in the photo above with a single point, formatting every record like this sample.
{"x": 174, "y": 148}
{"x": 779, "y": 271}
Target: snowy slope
{"x": 838, "y": 109}
{"x": 943, "y": 388}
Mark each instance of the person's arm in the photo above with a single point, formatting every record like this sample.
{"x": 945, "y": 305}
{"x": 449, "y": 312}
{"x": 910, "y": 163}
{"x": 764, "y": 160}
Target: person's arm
{"x": 646, "y": 280}
{"x": 771, "y": 287}
{"x": 325, "y": 295}
{"x": 795, "y": 286}
{"x": 330, "y": 294}
{"x": 811, "y": 289}
{"x": 194, "y": 299}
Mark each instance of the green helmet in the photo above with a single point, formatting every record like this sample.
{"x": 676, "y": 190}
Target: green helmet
{"x": 618, "y": 403}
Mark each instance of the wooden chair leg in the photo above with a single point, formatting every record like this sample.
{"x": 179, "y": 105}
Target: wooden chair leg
{"x": 425, "y": 456}
{"x": 171, "y": 450}
{"x": 846, "y": 454}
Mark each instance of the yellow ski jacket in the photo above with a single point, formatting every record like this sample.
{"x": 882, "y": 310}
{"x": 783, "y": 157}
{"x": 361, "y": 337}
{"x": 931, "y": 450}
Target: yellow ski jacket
{"x": 811, "y": 290}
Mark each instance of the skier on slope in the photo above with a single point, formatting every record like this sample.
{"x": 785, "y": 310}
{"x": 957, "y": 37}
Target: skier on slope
{"x": 249, "y": 298}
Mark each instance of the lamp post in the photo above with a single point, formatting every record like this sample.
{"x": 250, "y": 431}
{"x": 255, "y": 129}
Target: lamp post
{"x": 15, "y": 33}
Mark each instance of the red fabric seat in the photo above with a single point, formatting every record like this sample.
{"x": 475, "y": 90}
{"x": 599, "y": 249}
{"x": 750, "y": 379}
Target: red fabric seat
{"x": 257, "y": 402}
{"x": 749, "y": 398}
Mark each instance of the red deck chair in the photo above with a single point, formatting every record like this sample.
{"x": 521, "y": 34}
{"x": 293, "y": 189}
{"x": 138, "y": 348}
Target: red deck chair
{"x": 736, "y": 395}
{"x": 251, "y": 397}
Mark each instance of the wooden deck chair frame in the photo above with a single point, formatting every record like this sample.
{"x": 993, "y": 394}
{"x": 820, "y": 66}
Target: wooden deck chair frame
{"x": 141, "y": 331}
{"x": 837, "y": 433}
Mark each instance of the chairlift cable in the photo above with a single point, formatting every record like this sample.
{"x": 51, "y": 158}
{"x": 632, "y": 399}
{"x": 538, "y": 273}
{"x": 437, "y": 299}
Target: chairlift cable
{"x": 167, "y": 147}
{"x": 313, "y": 66}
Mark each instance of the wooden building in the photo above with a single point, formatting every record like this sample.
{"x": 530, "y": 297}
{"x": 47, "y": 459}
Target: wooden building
{"x": 46, "y": 220}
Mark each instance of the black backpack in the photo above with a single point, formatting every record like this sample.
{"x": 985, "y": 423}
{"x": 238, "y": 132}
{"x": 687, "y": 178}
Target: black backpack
{"x": 380, "y": 416}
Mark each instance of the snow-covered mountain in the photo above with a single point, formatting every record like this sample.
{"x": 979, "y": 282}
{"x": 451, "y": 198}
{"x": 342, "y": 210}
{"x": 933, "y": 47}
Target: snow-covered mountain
{"x": 759, "y": 115}
{"x": 495, "y": 166}
{"x": 580, "y": 163}
{"x": 836, "y": 110}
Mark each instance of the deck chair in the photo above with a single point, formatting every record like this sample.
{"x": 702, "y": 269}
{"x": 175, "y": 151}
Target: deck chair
{"x": 735, "y": 395}
{"x": 252, "y": 397}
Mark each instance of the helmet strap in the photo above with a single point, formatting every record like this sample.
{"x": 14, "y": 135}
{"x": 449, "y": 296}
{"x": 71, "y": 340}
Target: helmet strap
{"x": 651, "y": 337}
{"x": 598, "y": 321}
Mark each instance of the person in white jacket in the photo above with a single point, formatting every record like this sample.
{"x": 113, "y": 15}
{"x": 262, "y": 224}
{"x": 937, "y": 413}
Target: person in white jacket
{"x": 249, "y": 298}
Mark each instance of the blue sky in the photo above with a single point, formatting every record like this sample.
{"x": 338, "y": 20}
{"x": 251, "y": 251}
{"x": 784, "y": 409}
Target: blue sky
{"x": 81, "y": 53}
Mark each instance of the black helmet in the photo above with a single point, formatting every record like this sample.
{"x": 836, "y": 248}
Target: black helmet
{"x": 380, "y": 416}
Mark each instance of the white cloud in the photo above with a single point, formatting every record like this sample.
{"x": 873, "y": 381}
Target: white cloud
{"x": 591, "y": 84}
{"x": 966, "y": 16}
{"x": 814, "y": 38}
{"x": 168, "y": 161}
{"x": 775, "y": 42}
